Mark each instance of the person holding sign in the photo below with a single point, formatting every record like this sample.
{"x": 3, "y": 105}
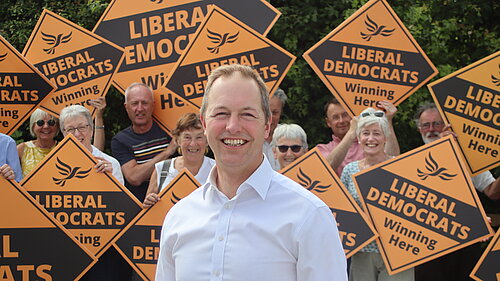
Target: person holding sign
{"x": 139, "y": 147}
{"x": 344, "y": 147}
{"x": 289, "y": 143}
{"x": 373, "y": 131}
{"x": 457, "y": 265}
{"x": 247, "y": 222}
{"x": 10, "y": 168}
{"x": 44, "y": 127}
{"x": 193, "y": 145}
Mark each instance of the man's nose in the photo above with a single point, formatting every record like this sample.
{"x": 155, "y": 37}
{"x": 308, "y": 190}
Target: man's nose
{"x": 233, "y": 123}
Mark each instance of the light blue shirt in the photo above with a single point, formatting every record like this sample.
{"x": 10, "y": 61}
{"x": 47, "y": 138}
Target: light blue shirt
{"x": 273, "y": 229}
{"x": 8, "y": 155}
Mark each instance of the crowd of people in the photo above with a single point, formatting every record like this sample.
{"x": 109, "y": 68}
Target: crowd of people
{"x": 246, "y": 221}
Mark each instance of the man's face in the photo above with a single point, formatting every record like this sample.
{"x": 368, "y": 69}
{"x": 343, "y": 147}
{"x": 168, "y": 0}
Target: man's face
{"x": 80, "y": 128}
{"x": 430, "y": 125}
{"x": 235, "y": 123}
{"x": 286, "y": 157}
{"x": 276, "y": 107}
{"x": 338, "y": 120}
{"x": 139, "y": 106}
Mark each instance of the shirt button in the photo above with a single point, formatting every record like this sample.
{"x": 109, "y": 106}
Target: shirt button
{"x": 217, "y": 273}
{"x": 227, "y": 206}
{"x": 221, "y": 238}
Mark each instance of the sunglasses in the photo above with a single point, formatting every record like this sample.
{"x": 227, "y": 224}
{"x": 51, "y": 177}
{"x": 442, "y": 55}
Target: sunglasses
{"x": 376, "y": 114}
{"x": 294, "y": 148}
{"x": 50, "y": 122}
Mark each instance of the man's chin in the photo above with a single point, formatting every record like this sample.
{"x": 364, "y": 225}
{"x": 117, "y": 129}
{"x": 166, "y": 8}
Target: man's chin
{"x": 429, "y": 139}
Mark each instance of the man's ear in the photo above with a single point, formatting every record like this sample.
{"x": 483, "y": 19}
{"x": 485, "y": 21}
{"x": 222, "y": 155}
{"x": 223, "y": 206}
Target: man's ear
{"x": 202, "y": 119}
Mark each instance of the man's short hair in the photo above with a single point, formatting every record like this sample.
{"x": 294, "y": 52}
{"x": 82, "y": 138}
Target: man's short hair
{"x": 246, "y": 72}
{"x": 280, "y": 94}
{"x": 75, "y": 111}
{"x": 138, "y": 84}
{"x": 332, "y": 100}
{"x": 424, "y": 106}
{"x": 289, "y": 131}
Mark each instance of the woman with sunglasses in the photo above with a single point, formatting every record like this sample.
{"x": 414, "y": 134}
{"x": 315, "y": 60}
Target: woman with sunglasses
{"x": 373, "y": 131}
{"x": 44, "y": 128}
{"x": 289, "y": 143}
{"x": 192, "y": 147}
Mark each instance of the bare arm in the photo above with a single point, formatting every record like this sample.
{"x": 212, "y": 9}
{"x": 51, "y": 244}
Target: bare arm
{"x": 493, "y": 190}
{"x": 20, "y": 150}
{"x": 392, "y": 145}
{"x": 152, "y": 193}
{"x": 99, "y": 134}
{"x": 136, "y": 174}
{"x": 338, "y": 154}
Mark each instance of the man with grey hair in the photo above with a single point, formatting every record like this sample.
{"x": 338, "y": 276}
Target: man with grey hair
{"x": 456, "y": 265}
{"x": 276, "y": 105}
{"x": 139, "y": 147}
{"x": 289, "y": 143}
{"x": 247, "y": 222}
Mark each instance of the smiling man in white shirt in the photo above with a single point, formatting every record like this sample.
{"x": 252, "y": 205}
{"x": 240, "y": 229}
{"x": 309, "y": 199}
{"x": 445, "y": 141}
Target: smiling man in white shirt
{"x": 247, "y": 222}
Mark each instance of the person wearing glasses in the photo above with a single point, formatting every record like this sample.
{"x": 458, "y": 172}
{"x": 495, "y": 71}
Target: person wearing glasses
{"x": 44, "y": 128}
{"x": 456, "y": 265}
{"x": 10, "y": 168}
{"x": 76, "y": 120}
{"x": 373, "y": 132}
{"x": 289, "y": 143}
{"x": 344, "y": 147}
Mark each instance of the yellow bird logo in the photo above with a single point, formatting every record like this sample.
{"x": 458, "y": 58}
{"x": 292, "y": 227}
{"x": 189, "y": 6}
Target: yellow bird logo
{"x": 68, "y": 173}
{"x": 220, "y": 40}
{"x": 3, "y": 57}
{"x": 374, "y": 30}
{"x": 54, "y": 41}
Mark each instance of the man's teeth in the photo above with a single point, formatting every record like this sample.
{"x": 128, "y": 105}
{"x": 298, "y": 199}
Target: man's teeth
{"x": 234, "y": 142}
{"x": 371, "y": 145}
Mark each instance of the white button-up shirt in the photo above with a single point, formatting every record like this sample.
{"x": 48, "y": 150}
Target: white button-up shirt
{"x": 273, "y": 229}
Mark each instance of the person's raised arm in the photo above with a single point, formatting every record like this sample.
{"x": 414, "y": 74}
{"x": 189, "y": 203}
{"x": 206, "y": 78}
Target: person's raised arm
{"x": 392, "y": 145}
{"x": 99, "y": 134}
{"x": 337, "y": 155}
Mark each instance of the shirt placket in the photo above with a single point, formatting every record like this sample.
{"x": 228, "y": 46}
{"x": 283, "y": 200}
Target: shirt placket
{"x": 220, "y": 244}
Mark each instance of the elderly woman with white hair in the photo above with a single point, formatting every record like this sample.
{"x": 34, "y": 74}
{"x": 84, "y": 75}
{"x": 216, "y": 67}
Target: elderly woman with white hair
{"x": 289, "y": 143}
{"x": 76, "y": 120}
{"x": 372, "y": 131}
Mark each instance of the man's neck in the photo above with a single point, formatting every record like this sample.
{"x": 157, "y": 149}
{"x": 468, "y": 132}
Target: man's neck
{"x": 229, "y": 179}
{"x": 141, "y": 129}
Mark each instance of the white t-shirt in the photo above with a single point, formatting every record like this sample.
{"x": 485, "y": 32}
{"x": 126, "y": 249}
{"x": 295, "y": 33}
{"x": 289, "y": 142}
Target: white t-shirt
{"x": 201, "y": 176}
{"x": 482, "y": 180}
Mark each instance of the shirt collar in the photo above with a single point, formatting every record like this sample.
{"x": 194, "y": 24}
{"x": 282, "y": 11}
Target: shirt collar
{"x": 260, "y": 180}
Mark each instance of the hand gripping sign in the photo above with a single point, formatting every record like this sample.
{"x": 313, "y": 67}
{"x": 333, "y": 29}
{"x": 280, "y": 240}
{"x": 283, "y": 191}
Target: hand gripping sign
{"x": 34, "y": 245}
{"x": 314, "y": 173}
{"x": 22, "y": 88}
{"x": 140, "y": 244}
{"x": 469, "y": 100}
{"x": 93, "y": 206}
{"x": 220, "y": 40}
{"x": 370, "y": 57}
{"x": 487, "y": 268}
{"x": 80, "y": 63}
{"x": 155, "y": 32}
{"x": 422, "y": 204}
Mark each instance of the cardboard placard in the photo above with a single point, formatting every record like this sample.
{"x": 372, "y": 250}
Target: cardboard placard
{"x": 155, "y": 32}
{"x": 79, "y": 63}
{"x": 220, "y": 40}
{"x": 487, "y": 268}
{"x": 34, "y": 245}
{"x": 469, "y": 100}
{"x": 140, "y": 244}
{"x": 370, "y": 57}
{"x": 22, "y": 88}
{"x": 314, "y": 173}
{"x": 422, "y": 204}
{"x": 93, "y": 206}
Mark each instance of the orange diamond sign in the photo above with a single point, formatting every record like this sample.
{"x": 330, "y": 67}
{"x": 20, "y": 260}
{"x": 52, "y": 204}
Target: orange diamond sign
{"x": 95, "y": 207}
{"x": 487, "y": 267}
{"x": 423, "y": 205}
{"x": 222, "y": 39}
{"x": 370, "y": 57}
{"x": 80, "y": 63}
{"x": 313, "y": 172}
{"x": 140, "y": 244}
{"x": 22, "y": 88}
{"x": 469, "y": 99}
{"x": 35, "y": 246}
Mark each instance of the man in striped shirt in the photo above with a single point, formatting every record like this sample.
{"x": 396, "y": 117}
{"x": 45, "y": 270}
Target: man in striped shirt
{"x": 143, "y": 144}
